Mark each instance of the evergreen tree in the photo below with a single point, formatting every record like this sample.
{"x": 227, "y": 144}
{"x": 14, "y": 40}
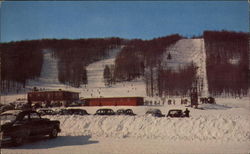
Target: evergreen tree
{"x": 107, "y": 76}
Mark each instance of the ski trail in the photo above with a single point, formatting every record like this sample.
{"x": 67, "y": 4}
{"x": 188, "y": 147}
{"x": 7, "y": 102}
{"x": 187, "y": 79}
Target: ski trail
{"x": 95, "y": 70}
{"x": 184, "y": 52}
{"x": 49, "y": 73}
{"x": 205, "y": 92}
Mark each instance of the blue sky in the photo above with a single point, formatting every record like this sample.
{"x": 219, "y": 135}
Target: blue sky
{"x": 126, "y": 19}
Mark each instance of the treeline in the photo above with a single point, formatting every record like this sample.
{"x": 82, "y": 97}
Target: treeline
{"x": 176, "y": 83}
{"x": 170, "y": 82}
{"x": 227, "y": 62}
{"x": 144, "y": 58}
{"x": 75, "y": 55}
{"x": 23, "y": 60}
{"x": 139, "y": 54}
{"x": 19, "y": 61}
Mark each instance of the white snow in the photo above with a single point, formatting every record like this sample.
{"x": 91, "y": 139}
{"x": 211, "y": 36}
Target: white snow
{"x": 184, "y": 52}
{"x": 220, "y": 128}
{"x": 97, "y": 88}
{"x": 49, "y": 73}
{"x": 234, "y": 60}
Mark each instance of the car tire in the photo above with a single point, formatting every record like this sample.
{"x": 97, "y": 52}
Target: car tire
{"x": 17, "y": 140}
{"x": 53, "y": 133}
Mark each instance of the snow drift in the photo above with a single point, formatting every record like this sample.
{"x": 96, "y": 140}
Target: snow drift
{"x": 201, "y": 128}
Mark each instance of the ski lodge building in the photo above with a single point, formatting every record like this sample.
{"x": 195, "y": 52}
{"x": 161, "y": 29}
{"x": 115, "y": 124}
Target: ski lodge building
{"x": 114, "y": 101}
{"x": 47, "y": 97}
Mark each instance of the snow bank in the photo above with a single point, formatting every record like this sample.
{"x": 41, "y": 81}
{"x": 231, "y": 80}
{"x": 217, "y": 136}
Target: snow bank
{"x": 200, "y": 128}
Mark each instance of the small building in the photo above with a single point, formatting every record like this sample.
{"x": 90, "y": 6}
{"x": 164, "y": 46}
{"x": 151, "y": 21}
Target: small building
{"x": 48, "y": 97}
{"x": 114, "y": 101}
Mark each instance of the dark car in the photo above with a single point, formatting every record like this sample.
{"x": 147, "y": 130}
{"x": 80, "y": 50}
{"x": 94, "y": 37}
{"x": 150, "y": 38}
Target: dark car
{"x": 4, "y": 108}
{"x": 18, "y": 125}
{"x": 104, "y": 112}
{"x": 46, "y": 112}
{"x": 176, "y": 113}
{"x": 155, "y": 113}
{"x": 125, "y": 112}
{"x": 73, "y": 112}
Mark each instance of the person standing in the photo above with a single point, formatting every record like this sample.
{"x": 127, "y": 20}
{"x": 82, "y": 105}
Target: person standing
{"x": 186, "y": 112}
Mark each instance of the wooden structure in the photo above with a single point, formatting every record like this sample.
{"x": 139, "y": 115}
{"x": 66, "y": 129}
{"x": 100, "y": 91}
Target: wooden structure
{"x": 114, "y": 101}
{"x": 194, "y": 97}
{"x": 48, "y": 97}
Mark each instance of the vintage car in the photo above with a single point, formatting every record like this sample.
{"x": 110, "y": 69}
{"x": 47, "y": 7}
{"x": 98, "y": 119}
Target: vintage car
{"x": 104, "y": 112}
{"x": 125, "y": 112}
{"x": 73, "y": 112}
{"x": 176, "y": 113}
{"x": 45, "y": 111}
{"x": 155, "y": 113}
{"x": 18, "y": 125}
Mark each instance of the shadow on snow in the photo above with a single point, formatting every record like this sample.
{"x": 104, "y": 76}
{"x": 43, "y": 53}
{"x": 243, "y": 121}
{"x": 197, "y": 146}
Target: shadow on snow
{"x": 46, "y": 143}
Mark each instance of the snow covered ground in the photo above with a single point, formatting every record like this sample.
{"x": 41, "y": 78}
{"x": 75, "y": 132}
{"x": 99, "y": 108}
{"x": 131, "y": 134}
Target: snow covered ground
{"x": 220, "y": 128}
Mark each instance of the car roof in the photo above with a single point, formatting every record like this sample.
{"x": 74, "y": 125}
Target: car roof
{"x": 14, "y": 112}
{"x": 43, "y": 109}
{"x": 175, "y": 110}
{"x": 153, "y": 110}
{"x": 105, "y": 109}
{"x": 121, "y": 109}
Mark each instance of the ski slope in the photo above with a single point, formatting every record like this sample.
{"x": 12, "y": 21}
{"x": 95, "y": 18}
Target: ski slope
{"x": 220, "y": 128}
{"x": 49, "y": 73}
{"x": 96, "y": 86}
{"x": 184, "y": 52}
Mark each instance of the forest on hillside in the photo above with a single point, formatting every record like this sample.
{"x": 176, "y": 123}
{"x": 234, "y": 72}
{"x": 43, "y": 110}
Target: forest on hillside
{"x": 227, "y": 62}
{"x": 23, "y": 60}
{"x": 19, "y": 61}
{"x": 143, "y": 58}
{"x": 139, "y": 54}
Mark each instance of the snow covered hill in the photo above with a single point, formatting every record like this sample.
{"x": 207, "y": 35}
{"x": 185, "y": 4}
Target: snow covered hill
{"x": 184, "y": 52}
{"x": 220, "y": 128}
{"x": 97, "y": 88}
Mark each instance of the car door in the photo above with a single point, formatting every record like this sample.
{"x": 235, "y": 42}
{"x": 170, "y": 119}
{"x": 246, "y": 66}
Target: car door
{"x": 38, "y": 125}
{"x": 24, "y": 121}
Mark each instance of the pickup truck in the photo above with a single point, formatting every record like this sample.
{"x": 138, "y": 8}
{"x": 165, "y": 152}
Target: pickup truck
{"x": 18, "y": 125}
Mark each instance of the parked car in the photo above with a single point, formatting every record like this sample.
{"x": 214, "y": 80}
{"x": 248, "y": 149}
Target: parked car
{"x": 73, "y": 112}
{"x": 104, "y": 112}
{"x": 45, "y": 111}
{"x": 125, "y": 112}
{"x": 4, "y": 108}
{"x": 176, "y": 113}
{"x": 18, "y": 125}
{"x": 155, "y": 113}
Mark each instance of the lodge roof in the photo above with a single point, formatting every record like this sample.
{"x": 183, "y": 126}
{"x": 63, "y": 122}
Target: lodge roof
{"x": 112, "y": 97}
{"x": 52, "y": 91}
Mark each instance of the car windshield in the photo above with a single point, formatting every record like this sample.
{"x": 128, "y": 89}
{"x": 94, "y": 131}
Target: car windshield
{"x": 6, "y": 118}
{"x": 175, "y": 112}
